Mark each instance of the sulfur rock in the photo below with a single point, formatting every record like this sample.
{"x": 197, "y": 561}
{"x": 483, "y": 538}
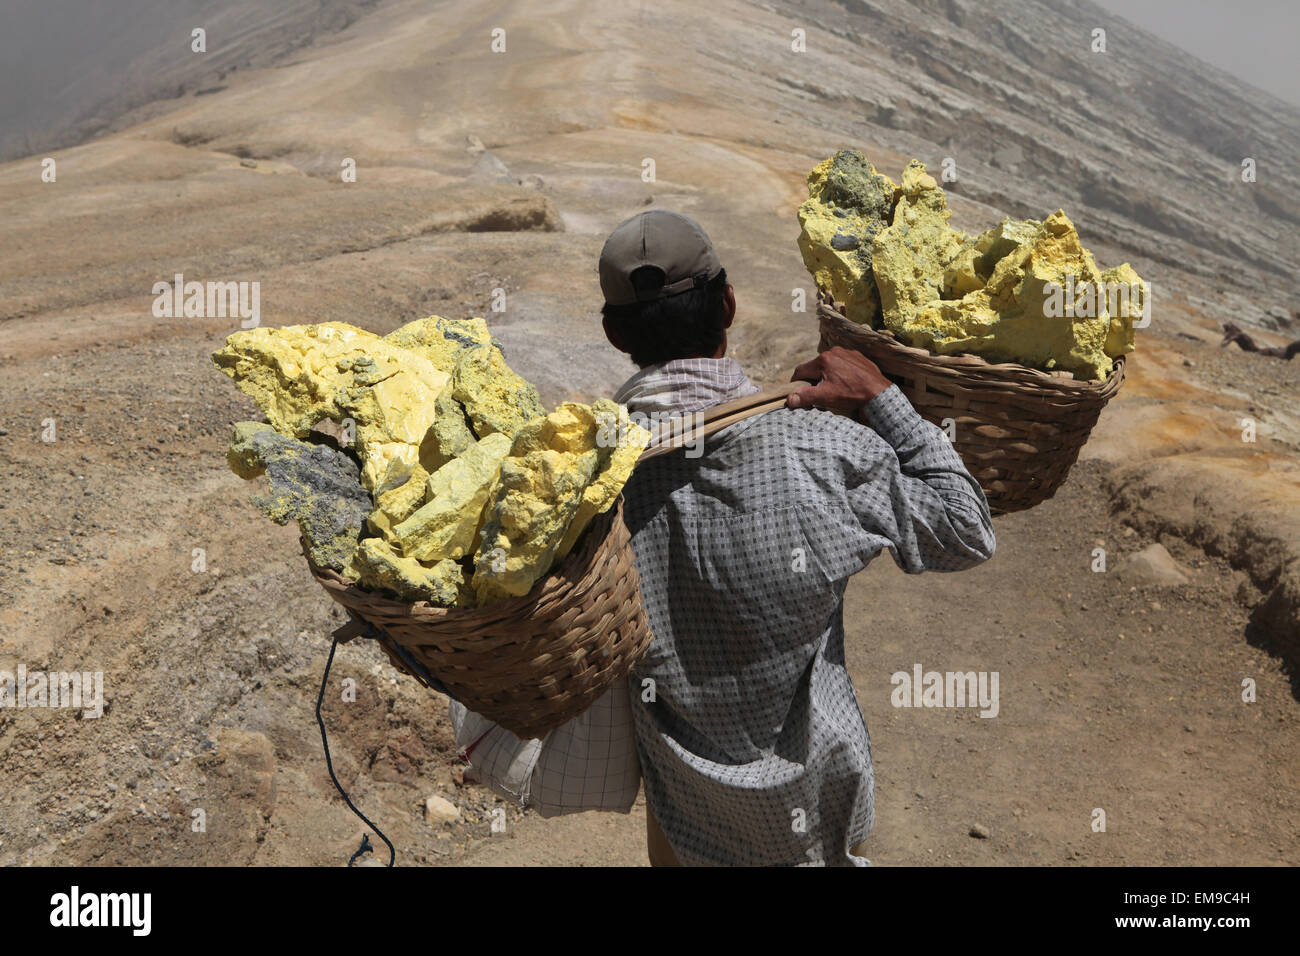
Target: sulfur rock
{"x": 1025, "y": 291}
{"x": 315, "y": 485}
{"x": 445, "y": 527}
{"x": 1011, "y": 318}
{"x": 621, "y": 442}
{"x": 475, "y": 493}
{"x": 538, "y": 492}
{"x": 398, "y": 503}
{"x": 909, "y": 258}
{"x": 848, "y": 204}
{"x": 971, "y": 268}
{"x": 301, "y": 374}
{"x": 378, "y": 566}
{"x": 450, "y": 435}
{"x": 1126, "y": 302}
{"x": 441, "y": 340}
{"x": 500, "y": 400}
{"x": 495, "y": 398}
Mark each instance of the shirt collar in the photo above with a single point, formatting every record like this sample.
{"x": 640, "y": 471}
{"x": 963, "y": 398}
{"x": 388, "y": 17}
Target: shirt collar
{"x": 684, "y": 385}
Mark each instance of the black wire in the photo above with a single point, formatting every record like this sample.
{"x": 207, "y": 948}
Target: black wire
{"x": 361, "y": 850}
{"x": 392, "y": 854}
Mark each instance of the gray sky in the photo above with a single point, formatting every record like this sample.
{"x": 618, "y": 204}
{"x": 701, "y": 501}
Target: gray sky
{"x": 1252, "y": 39}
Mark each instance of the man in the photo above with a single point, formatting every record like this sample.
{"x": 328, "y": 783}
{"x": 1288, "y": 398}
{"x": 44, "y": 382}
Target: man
{"x": 752, "y": 746}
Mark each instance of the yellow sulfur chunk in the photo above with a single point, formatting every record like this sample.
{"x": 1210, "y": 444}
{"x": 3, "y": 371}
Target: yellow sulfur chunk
{"x": 457, "y": 492}
{"x": 1025, "y": 291}
{"x": 495, "y": 398}
{"x": 623, "y": 441}
{"x": 301, "y": 374}
{"x": 440, "y": 340}
{"x": 1126, "y": 303}
{"x": 538, "y": 492}
{"x": 458, "y": 459}
{"x": 979, "y": 255}
{"x": 294, "y": 374}
{"x": 315, "y": 485}
{"x": 485, "y": 397}
{"x": 398, "y": 504}
{"x": 376, "y": 565}
{"x": 909, "y": 258}
{"x": 1011, "y": 319}
{"x": 848, "y": 204}
{"x": 450, "y": 435}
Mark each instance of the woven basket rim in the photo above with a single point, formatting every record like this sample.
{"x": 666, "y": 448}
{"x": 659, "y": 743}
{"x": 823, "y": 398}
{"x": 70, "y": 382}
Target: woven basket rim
{"x": 556, "y": 579}
{"x": 967, "y": 363}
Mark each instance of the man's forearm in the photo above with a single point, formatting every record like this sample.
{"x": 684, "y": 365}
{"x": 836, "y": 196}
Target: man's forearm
{"x": 926, "y": 456}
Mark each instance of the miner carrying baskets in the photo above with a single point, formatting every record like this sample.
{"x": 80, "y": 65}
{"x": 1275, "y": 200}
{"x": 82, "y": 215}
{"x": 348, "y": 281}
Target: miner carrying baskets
{"x": 745, "y": 715}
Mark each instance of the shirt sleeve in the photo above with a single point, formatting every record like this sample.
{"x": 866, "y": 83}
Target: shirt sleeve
{"x": 912, "y": 489}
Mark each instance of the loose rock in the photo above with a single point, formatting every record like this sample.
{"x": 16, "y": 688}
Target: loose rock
{"x": 299, "y": 375}
{"x": 538, "y": 511}
{"x": 1153, "y": 565}
{"x": 439, "y": 811}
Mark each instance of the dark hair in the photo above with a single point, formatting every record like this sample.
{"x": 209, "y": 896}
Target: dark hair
{"x": 687, "y": 325}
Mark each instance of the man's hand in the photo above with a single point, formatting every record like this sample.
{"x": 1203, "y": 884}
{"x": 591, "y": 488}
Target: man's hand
{"x": 846, "y": 380}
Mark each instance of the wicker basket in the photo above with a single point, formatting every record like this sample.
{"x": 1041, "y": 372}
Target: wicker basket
{"x": 1018, "y": 430}
{"x": 529, "y": 663}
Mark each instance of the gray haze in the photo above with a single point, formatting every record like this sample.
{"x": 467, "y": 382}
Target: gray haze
{"x": 71, "y": 70}
{"x": 1255, "y": 40}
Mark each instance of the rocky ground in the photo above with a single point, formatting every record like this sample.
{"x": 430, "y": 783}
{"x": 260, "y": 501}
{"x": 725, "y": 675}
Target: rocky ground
{"x": 127, "y": 547}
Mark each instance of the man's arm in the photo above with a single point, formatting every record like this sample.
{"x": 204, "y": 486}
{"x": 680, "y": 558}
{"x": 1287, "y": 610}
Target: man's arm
{"x": 921, "y": 499}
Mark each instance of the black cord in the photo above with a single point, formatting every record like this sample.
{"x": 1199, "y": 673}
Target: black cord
{"x": 361, "y": 850}
{"x": 392, "y": 854}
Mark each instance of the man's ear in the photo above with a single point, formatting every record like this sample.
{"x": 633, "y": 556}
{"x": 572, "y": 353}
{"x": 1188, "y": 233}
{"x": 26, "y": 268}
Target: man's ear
{"x": 729, "y": 305}
{"x": 612, "y": 334}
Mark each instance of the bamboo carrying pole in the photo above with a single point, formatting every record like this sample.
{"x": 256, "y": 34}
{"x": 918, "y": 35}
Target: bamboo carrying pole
{"x": 683, "y": 431}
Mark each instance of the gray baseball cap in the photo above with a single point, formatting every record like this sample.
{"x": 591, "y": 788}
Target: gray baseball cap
{"x": 667, "y": 240}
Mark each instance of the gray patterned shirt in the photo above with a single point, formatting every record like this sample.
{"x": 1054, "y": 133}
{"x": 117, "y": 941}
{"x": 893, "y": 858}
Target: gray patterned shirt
{"x": 754, "y": 751}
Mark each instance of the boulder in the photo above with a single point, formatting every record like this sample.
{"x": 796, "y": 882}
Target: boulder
{"x": 439, "y": 811}
{"x": 489, "y": 168}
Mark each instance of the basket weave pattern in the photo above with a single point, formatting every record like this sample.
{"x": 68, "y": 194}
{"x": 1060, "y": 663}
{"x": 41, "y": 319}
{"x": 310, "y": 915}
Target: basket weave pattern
{"x": 530, "y": 663}
{"x": 1018, "y": 430}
